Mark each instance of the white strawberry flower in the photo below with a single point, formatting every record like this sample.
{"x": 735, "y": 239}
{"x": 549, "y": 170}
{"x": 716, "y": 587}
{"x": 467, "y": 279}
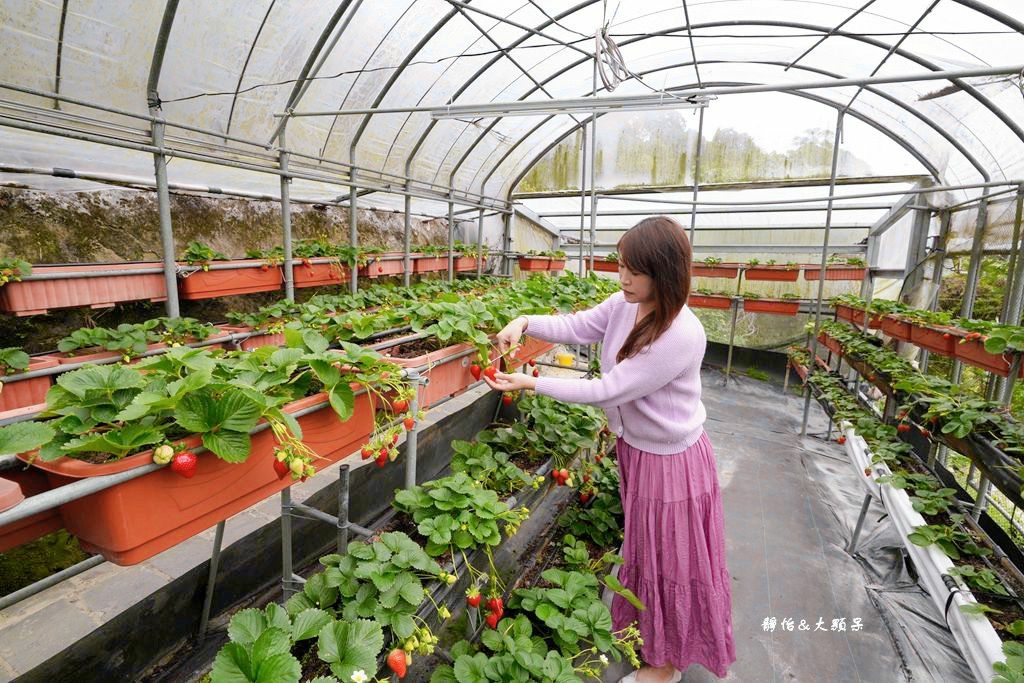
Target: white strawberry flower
{"x": 359, "y": 676}
{"x": 604, "y": 659}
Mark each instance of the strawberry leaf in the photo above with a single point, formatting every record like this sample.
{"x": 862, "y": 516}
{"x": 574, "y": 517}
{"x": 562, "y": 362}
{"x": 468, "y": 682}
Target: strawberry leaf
{"x": 232, "y": 665}
{"x": 279, "y": 668}
{"x": 21, "y": 437}
{"x": 350, "y": 646}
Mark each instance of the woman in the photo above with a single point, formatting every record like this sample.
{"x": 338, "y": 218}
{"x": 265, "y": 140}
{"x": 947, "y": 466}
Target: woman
{"x": 674, "y": 544}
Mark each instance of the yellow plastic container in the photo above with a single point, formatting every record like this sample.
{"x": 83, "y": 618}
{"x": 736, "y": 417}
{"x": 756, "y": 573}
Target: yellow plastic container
{"x": 565, "y": 359}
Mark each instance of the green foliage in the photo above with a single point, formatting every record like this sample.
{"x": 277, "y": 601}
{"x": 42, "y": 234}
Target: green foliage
{"x": 515, "y": 655}
{"x": 13, "y": 269}
{"x": 197, "y": 253}
{"x": 130, "y": 339}
{"x": 487, "y": 466}
{"x": 950, "y": 541}
{"x": 979, "y": 579}
{"x": 13, "y": 358}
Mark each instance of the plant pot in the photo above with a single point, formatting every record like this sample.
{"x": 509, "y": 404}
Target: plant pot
{"x": 896, "y": 326}
{"x": 935, "y": 339}
{"x": 20, "y": 393}
{"x": 533, "y": 263}
{"x": 801, "y": 371}
{"x": 30, "y": 297}
{"x": 835, "y": 273}
{"x": 773, "y": 306}
{"x": 709, "y": 301}
{"x": 973, "y": 353}
{"x": 319, "y": 272}
{"x": 603, "y": 266}
{"x": 254, "y": 276}
{"x": 530, "y": 349}
{"x": 385, "y": 265}
{"x": 447, "y": 369}
{"x": 772, "y": 273}
{"x": 725, "y": 270}
{"x": 557, "y": 264}
{"x": 430, "y": 264}
{"x": 856, "y": 316}
{"x": 830, "y": 343}
{"x": 137, "y": 519}
{"x": 32, "y": 482}
{"x": 463, "y": 264}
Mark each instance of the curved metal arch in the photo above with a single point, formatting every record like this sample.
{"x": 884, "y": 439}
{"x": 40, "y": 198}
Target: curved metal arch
{"x": 809, "y": 27}
{"x": 810, "y": 96}
{"x": 245, "y": 66}
{"x": 902, "y": 105}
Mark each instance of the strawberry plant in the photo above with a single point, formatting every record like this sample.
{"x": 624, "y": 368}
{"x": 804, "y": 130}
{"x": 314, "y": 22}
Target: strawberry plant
{"x": 13, "y": 359}
{"x": 199, "y": 254}
{"x": 489, "y": 467}
{"x": 13, "y": 269}
{"x": 950, "y": 541}
{"x": 130, "y": 339}
{"x": 515, "y": 655}
{"x": 1012, "y": 669}
{"x": 183, "y": 330}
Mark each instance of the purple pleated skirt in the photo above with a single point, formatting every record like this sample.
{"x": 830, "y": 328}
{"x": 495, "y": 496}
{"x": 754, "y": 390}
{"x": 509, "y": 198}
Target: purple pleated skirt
{"x": 674, "y": 551}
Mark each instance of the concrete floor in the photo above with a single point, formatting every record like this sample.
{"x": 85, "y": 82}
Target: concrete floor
{"x": 791, "y": 504}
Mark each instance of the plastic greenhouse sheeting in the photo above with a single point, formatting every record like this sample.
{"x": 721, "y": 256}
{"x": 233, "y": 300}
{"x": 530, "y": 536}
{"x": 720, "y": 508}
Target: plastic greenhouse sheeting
{"x": 229, "y": 66}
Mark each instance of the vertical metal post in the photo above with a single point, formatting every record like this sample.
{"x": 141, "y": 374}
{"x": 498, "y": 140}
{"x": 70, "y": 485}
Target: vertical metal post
{"x": 917, "y": 248}
{"x": 353, "y": 232}
{"x": 1016, "y": 298}
{"x": 451, "y": 236}
{"x": 343, "y": 521}
{"x": 696, "y": 173}
{"x": 479, "y": 241}
{"x": 945, "y": 218}
{"x": 583, "y": 192}
{"x": 163, "y": 201}
{"x": 732, "y": 338}
{"x": 593, "y": 179}
{"x": 211, "y": 580}
{"x": 286, "y": 221}
{"x": 411, "y": 437}
{"x": 973, "y": 272}
{"x": 824, "y": 259}
{"x": 860, "y": 524}
{"x": 286, "y": 543}
{"x": 408, "y": 237}
{"x": 1014, "y": 265}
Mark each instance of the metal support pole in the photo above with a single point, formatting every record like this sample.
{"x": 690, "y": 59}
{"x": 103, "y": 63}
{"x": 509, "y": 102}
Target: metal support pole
{"x": 1016, "y": 298}
{"x": 479, "y": 241}
{"x": 696, "y": 171}
{"x": 286, "y": 223}
{"x": 583, "y": 193}
{"x": 353, "y": 232}
{"x": 807, "y": 407}
{"x": 163, "y": 201}
{"x": 860, "y": 524}
{"x": 218, "y": 541}
{"x": 408, "y": 240}
{"x": 51, "y": 580}
{"x": 411, "y": 437}
{"x": 343, "y": 522}
{"x": 593, "y": 183}
{"x": 732, "y": 338}
{"x": 451, "y": 238}
{"x": 973, "y": 272}
{"x": 286, "y": 543}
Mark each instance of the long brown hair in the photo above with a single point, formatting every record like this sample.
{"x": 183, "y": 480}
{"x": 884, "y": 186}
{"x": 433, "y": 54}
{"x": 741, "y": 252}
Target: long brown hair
{"x": 656, "y": 247}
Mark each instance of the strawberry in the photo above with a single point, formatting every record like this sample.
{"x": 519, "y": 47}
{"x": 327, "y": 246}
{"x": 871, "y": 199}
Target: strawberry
{"x": 409, "y": 423}
{"x": 473, "y": 597}
{"x": 185, "y": 463}
{"x": 492, "y": 620}
{"x": 506, "y": 399}
{"x": 367, "y": 452}
{"x": 586, "y": 478}
{"x": 563, "y": 473}
{"x": 555, "y": 475}
{"x": 536, "y": 372}
{"x": 532, "y": 362}
{"x": 585, "y": 496}
{"x": 162, "y": 454}
{"x": 474, "y": 370}
{"x": 380, "y": 268}
{"x": 867, "y": 471}
{"x": 925, "y": 433}
{"x": 598, "y": 457}
{"x": 381, "y": 460}
{"x": 903, "y": 427}
{"x": 280, "y": 468}
{"x": 384, "y": 452}
{"x": 297, "y": 467}
{"x": 394, "y": 439}
{"x": 490, "y": 372}
{"x": 396, "y": 662}
{"x": 400, "y": 406}
{"x": 841, "y": 439}
{"x": 495, "y": 604}
{"x": 947, "y": 335}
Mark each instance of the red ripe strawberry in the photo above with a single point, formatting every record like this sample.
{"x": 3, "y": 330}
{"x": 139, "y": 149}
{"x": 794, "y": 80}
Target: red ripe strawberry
{"x": 185, "y": 463}
{"x": 474, "y": 370}
{"x": 409, "y": 423}
{"x": 586, "y": 478}
{"x": 380, "y": 268}
{"x": 394, "y": 439}
{"x": 585, "y": 496}
{"x": 381, "y": 460}
{"x": 496, "y": 604}
{"x": 385, "y": 452}
{"x": 841, "y": 440}
{"x": 492, "y": 620}
{"x": 903, "y": 427}
{"x": 946, "y": 335}
{"x": 473, "y": 597}
{"x": 902, "y": 415}
{"x": 400, "y": 406}
{"x": 506, "y": 399}
{"x": 281, "y": 468}
{"x": 532, "y": 362}
{"x": 490, "y": 372}
{"x": 598, "y": 457}
{"x": 367, "y": 453}
{"x": 867, "y": 471}
{"x": 925, "y": 433}
{"x": 536, "y": 372}
{"x": 555, "y": 475}
{"x": 563, "y": 473}
{"x": 396, "y": 662}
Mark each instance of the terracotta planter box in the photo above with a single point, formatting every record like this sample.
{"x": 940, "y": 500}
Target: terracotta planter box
{"x": 319, "y": 273}
{"x": 529, "y": 350}
{"x": 256, "y": 340}
{"x": 447, "y": 368}
{"x": 801, "y": 371}
{"x": 772, "y": 273}
{"x": 31, "y": 297}
{"x": 708, "y": 301}
{"x": 26, "y": 392}
{"x": 940, "y": 341}
{"x": 856, "y": 316}
{"x": 726, "y": 270}
{"x": 137, "y": 519}
{"x": 255, "y": 276}
{"x": 830, "y": 343}
{"x": 535, "y": 263}
{"x": 973, "y": 353}
{"x": 835, "y": 273}
{"x": 31, "y": 482}
{"x": 463, "y": 264}
{"x": 558, "y": 264}
{"x": 773, "y": 306}
{"x": 381, "y": 267}
{"x": 603, "y": 266}
{"x": 896, "y": 327}
{"x": 430, "y": 264}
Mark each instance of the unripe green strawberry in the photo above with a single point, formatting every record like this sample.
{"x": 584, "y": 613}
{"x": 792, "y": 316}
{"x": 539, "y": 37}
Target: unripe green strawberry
{"x": 163, "y": 454}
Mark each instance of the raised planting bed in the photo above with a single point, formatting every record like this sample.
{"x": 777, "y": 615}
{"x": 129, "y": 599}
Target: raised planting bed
{"x": 835, "y": 272}
{"x": 15, "y": 393}
{"x": 772, "y": 273}
{"x": 462, "y": 264}
{"x": 82, "y": 285}
{"x": 856, "y": 316}
{"x": 246, "y": 276}
{"x": 603, "y": 266}
{"x": 319, "y": 272}
{"x": 773, "y": 306}
{"x": 972, "y": 352}
{"x": 537, "y": 263}
{"x": 725, "y": 270}
{"x": 937, "y": 339}
{"x": 709, "y": 301}
{"x": 138, "y": 518}
{"x": 896, "y": 326}
{"x": 830, "y": 343}
{"x": 385, "y": 265}
{"x": 429, "y": 264}
{"x": 447, "y": 367}
{"x": 28, "y": 482}
{"x": 530, "y": 349}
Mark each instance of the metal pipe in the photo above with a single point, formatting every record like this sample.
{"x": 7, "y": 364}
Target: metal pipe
{"x": 163, "y": 200}
{"x": 286, "y": 224}
{"x": 343, "y": 520}
{"x": 479, "y": 242}
{"x": 1013, "y": 310}
{"x": 828, "y": 226}
{"x": 353, "y": 234}
{"x": 408, "y": 241}
{"x": 696, "y": 169}
{"x": 852, "y": 547}
{"x": 51, "y": 580}
{"x": 451, "y": 241}
{"x": 973, "y": 275}
{"x": 211, "y": 580}
{"x": 732, "y": 337}
{"x": 686, "y": 212}
{"x": 287, "y": 573}
{"x": 412, "y": 436}
{"x": 305, "y": 511}
{"x": 583, "y": 196}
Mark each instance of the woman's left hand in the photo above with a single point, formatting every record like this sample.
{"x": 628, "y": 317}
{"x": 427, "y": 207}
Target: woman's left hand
{"x": 514, "y": 382}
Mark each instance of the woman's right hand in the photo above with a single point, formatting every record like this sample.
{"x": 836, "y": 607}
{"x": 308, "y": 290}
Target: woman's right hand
{"x": 511, "y": 334}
